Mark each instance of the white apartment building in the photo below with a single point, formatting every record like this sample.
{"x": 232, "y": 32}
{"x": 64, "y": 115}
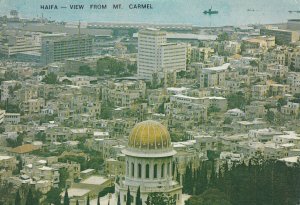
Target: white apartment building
{"x": 173, "y": 57}
{"x": 20, "y": 43}
{"x": 214, "y": 76}
{"x": 293, "y": 79}
{"x": 6, "y": 87}
{"x": 155, "y": 55}
{"x": 12, "y": 118}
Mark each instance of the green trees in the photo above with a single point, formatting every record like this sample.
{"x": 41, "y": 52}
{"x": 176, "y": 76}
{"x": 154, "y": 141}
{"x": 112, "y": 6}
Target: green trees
{"x": 86, "y": 70}
{"x": 106, "y": 111}
{"x": 98, "y": 199}
{"x": 270, "y": 116}
{"x": 213, "y": 109}
{"x": 227, "y": 121}
{"x": 31, "y": 200}
{"x": 138, "y": 200}
{"x": 148, "y": 200}
{"x": 119, "y": 200}
{"x": 281, "y": 102}
{"x": 40, "y": 136}
{"x": 267, "y": 182}
{"x": 132, "y": 68}
{"x": 66, "y": 198}
{"x": 254, "y": 63}
{"x": 223, "y": 37}
{"x": 88, "y": 200}
{"x": 18, "y": 198}
{"x": 209, "y": 197}
{"x": 131, "y": 48}
{"x": 11, "y": 75}
{"x": 50, "y": 78}
{"x": 161, "y": 108}
{"x": 53, "y": 196}
{"x": 128, "y": 197}
{"x": 63, "y": 176}
{"x": 236, "y": 100}
{"x": 111, "y": 66}
{"x": 188, "y": 180}
{"x": 15, "y": 142}
{"x": 157, "y": 198}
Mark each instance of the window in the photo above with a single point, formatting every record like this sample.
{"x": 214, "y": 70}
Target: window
{"x": 132, "y": 169}
{"x": 162, "y": 170}
{"x": 147, "y": 171}
{"x": 155, "y": 171}
{"x": 140, "y": 171}
{"x": 168, "y": 169}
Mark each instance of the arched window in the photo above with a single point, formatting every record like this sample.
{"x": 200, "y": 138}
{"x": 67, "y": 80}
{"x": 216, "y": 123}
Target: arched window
{"x": 132, "y": 169}
{"x": 162, "y": 170}
{"x": 168, "y": 169}
{"x": 147, "y": 171}
{"x": 155, "y": 171}
{"x": 140, "y": 171}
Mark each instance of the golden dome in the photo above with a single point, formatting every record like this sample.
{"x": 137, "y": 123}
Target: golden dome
{"x": 149, "y": 135}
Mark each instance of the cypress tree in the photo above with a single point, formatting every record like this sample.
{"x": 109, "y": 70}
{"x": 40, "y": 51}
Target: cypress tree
{"x": 204, "y": 180}
{"x": 138, "y": 200}
{"x": 98, "y": 199}
{"x": 148, "y": 200}
{"x": 88, "y": 200}
{"x": 212, "y": 175}
{"x": 198, "y": 184}
{"x": 29, "y": 199}
{"x": 177, "y": 175}
{"x": 119, "y": 200}
{"x": 66, "y": 198}
{"x": 18, "y": 198}
{"x": 128, "y": 198}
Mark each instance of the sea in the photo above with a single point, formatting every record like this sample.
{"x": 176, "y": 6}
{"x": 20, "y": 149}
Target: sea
{"x": 231, "y": 12}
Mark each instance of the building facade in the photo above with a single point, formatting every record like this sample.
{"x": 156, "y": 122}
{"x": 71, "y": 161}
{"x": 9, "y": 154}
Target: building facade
{"x": 61, "y": 48}
{"x": 156, "y": 56}
{"x": 148, "y": 159}
{"x": 282, "y": 37}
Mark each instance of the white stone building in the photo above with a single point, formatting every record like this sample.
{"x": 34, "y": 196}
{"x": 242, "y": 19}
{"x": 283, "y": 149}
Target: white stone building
{"x": 156, "y": 56}
{"x": 148, "y": 159}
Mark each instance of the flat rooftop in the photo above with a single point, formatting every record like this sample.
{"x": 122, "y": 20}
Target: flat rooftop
{"x": 5, "y": 157}
{"x": 95, "y": 180}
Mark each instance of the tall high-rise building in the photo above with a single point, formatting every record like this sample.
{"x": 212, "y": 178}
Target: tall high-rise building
{"x": 63, "y": 47}
{"x": 156, "y": 56}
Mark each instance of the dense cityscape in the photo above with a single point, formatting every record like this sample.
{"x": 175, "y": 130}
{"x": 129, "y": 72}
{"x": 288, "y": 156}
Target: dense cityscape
{"x": 148, "y": 114}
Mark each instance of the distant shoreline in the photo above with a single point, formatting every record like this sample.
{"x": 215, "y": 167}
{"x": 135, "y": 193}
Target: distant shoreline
{"x": 138, "y": 25}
